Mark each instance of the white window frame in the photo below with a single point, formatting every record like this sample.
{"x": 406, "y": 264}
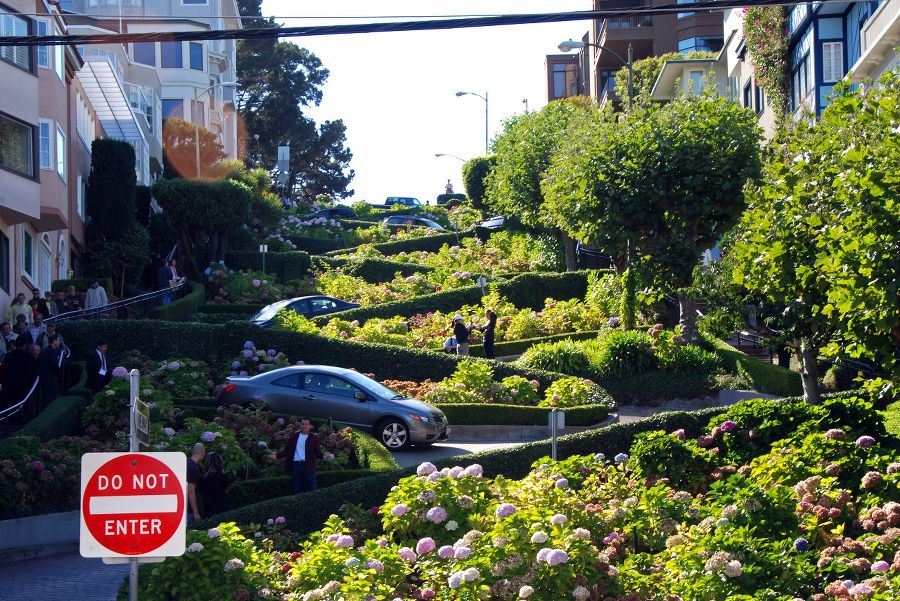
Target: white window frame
{"x": 59, "y": 60}
{"x": 13, "y": 24}
{"x": 45, "y": 129}
{"x": 80, "y": 193}
{"x": 41, "y": 27}
{"x": 85, "y": 124}
{"x": 29, "y": 240}
{"x": 696, "y": 84}
{"x": 832, "y": 62}
{"x": 61, "y": 152}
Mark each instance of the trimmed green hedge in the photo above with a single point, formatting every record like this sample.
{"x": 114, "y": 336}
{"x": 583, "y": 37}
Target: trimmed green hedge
{"x": 178, "y": 310}
{"x": 61, "y": 418}
{"x": 656, "y": 384}
{"x": 376, "y": 271}
{"x": 219, "y": 344}
{"x": 315, "y": 246}
{"x": 430, "y": 244}
{"x": 517, "y": 347}
{"x": 765, "y": 377}
{"x": 308, "y": 511}
{"x": 514, "y": 415}
{"x": 525, "y": 291}
{"x": 292, "y": 265}
{"x": 243, "y": 310}
{"x": 81, "y": 284}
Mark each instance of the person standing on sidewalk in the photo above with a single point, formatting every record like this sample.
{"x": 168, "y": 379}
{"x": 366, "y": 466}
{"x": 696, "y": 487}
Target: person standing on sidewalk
{"x": 95, "y": 297}
{"x": 461, "y": 332}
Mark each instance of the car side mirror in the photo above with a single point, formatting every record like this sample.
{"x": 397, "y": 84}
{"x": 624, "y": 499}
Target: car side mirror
{"x": 360, "y": 396}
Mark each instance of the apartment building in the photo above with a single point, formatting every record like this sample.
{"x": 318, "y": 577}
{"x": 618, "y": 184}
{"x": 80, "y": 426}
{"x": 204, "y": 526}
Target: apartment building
{"x": 43, "y": 131}
{"x": 593, "y": 71}
{"x": 189, "y": 80}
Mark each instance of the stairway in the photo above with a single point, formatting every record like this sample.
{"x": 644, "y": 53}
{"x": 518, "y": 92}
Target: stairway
{"x": 755, "y": 350}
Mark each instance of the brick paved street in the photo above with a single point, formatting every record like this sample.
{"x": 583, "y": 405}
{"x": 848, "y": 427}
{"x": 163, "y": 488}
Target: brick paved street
{"x": 67, "y": 577}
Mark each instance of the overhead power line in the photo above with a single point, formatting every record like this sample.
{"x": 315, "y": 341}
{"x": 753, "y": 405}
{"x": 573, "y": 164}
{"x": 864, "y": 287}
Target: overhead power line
{"x": 429, "y": 25}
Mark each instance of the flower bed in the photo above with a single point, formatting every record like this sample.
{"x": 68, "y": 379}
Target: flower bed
{"x": 227, "y": 286}
{"x": 773, "y": 502}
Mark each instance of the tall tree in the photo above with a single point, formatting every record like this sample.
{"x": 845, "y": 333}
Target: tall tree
{"x": 276, "y": 79}
{"x": 822, "y": 233}
{"x": 664, "y": 184}
{"x": 180, "y": 149}
{"x": 523, "y": 151}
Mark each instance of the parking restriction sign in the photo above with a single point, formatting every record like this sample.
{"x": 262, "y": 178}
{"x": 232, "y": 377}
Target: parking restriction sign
{"x": 133, "y": 504}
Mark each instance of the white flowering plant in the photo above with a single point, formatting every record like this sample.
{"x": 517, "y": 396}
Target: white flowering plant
{"x": 108, "y": 416}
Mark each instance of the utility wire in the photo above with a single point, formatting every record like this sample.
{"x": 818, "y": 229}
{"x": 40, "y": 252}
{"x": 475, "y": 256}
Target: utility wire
{"x": 431, "y": 25}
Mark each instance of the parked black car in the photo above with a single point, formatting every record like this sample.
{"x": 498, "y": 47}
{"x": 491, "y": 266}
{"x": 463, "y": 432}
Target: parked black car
{"x": 344, "y": 395}
{"x": 307, "y": 306}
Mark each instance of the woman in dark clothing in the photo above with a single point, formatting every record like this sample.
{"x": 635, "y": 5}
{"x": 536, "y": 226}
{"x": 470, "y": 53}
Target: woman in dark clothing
{"x": 18, "y": 374}
{"x": 214, "y": 486}
{"x": 461, "y": 331}
{"x": 488, "y": 330}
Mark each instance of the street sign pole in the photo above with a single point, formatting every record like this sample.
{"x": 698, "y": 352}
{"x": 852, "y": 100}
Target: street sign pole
{"x": 134, "y": 447}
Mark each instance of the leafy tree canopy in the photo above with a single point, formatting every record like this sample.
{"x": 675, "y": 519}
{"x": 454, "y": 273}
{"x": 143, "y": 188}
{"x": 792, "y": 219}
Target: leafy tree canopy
{"x": 180, "y": 150}
{"x": 645, "y": 72}
{"x": 822, "y": 233}
{"x": 276, "y": 79}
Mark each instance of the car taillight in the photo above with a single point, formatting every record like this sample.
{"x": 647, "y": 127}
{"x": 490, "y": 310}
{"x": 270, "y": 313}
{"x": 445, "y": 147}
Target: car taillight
{"x": 229, "y": 387}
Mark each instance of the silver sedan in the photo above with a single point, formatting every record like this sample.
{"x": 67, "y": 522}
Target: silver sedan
{"x": 343, "y": 395}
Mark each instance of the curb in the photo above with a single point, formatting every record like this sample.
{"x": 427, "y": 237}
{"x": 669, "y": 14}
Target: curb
{"x": 39, "y": 536}
{"x": 518, "y": 433}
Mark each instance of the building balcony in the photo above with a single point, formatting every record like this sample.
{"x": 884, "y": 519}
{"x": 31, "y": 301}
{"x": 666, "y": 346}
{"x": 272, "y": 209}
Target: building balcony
{"x": 617, "y": 34}
{"x": 878, "y": 42}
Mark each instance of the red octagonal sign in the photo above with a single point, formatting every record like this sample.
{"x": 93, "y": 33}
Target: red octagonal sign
{"x": 133, "y": 504}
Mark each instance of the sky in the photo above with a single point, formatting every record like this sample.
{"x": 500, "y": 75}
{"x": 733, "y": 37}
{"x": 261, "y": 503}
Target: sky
{"x": 396, "y": 92}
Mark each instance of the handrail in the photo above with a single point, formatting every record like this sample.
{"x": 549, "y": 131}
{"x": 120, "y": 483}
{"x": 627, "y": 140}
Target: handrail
{"x": 98, "y": 311}
{"x": 10, "y": 411}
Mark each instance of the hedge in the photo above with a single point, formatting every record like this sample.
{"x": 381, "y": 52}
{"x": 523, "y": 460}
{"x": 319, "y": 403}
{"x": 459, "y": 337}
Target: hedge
{"x": 179, "y": 309}
{"x": 524, "y": 291}
{"x": 430, "y": 244}
{"x": 515, "y": 415}
{"x": 61, "y": 418}
{"x": 292, "y": 265}
{"x": 517, "y": 347}
{"x": 765, "y": 377}
{"x": 449, "y": 198}
{"x": 81, "y": 284}
{"x": 656, "y": 384}
{"x": 376, "y": 271}
{"x": 242, "y": 310}
{"x": 219, "y": 344}
{"x": 306, "y": 512}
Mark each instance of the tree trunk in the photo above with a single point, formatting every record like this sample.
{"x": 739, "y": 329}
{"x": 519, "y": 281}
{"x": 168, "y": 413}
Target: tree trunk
{"x": 191, "y": 266}
{"x": 212, "y": 247}
{"x": 687, "y": 319}
{"x": 809, "y": 373}
{"x": 569, "y": 248}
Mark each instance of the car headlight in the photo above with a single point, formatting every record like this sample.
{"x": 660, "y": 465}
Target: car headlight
{"x": 422, "y": 418}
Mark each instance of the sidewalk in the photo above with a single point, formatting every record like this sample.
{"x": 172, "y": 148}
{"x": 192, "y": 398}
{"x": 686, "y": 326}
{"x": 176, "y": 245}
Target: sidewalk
{"x": 68, "y": 577}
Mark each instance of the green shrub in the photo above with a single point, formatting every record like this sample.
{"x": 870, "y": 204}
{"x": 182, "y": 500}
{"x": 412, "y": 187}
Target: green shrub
{"x": 293, "y": 265}
{"x": 239, "y": 310}
{"x": 428, "y": 243}
{"x": 668, "y": 456}
{"x": 178, "y": 310}
{"x": 656, "y": 384}
{"x": 765, "y": 377}
{"x": 450, "y": 199}
{"x": 81, "y": 284}
{"x": 61, "y": 418}
{"x": 518, "y": 347}
{"x": 516, "y": 415}
{"x": 622, "y": 353}
{"x": 566, "y": 357}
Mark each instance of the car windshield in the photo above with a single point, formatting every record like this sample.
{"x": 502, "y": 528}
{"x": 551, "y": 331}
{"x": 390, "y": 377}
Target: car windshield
{"x": 376, "y": 388}
{"x": 269, "y": 312}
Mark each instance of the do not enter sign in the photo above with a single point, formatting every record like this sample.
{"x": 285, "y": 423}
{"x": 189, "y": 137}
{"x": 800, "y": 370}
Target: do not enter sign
{"x": 133, "y": 504}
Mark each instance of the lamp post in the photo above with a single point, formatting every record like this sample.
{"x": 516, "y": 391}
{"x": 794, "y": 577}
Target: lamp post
{"x": 573, "y": 45}
{"x": 197, "y": 95}
{"x": 444, "y": 154}
{"x": 485, "y": 98}
{"x": 256, "y": 137}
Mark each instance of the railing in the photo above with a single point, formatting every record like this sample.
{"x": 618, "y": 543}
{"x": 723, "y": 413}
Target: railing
{"x": 875, "y": 27}
{"x": 124, "y": 309}
{"x": 11, "y": 411}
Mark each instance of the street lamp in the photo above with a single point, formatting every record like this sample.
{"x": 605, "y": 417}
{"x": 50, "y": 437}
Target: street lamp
{"x": 256, "y": 137}
{"x": 573, "y": 45}
{"x": 485, "y": 98}
{"x": 444, "y": 154}
{"x": 197, "y": 95}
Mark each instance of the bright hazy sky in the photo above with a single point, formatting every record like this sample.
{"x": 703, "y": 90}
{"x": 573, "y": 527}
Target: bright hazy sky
{"x": 396, "y": 92}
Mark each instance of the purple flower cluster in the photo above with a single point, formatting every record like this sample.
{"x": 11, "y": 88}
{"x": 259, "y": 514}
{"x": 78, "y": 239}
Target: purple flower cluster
{"x": 504, "y": 510}
{"x": 436, "y": 515}
{"x": 728, "y": 426}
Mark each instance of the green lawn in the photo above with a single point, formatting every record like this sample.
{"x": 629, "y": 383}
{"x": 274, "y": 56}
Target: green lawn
{"x": 892, "y": 418}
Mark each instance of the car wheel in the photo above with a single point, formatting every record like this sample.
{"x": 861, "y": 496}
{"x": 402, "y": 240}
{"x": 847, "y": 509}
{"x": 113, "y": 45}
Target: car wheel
{"x": 393, "y": 434}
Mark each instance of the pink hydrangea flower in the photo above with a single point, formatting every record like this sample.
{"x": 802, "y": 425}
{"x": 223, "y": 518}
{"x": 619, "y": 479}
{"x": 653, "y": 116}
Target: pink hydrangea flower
{"x": 446, "y": 552}
{"x": 436, "y": 515}
{"x": 462, "y": 552}
{"x": 425, "y": 469}
{"x": 474, "y": 471}
{"x": 279, "y": 520}
{"x": 425, "y": 545}
{"x": 345, "y": 540}
{"x": 407, "y": 554}
{"x": 504, "y": 510}
{"x": 399, "y": 510}
{"x": 557, "y": 556}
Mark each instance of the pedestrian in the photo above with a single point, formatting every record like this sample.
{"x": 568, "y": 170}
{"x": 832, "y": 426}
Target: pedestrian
{"x": 74, "y": 300}
{"x": 48, "y": 371}
{"x": 98, "y": 372}
{"x": 95, "y": 297}
{"x": 19, "y": 308}
{"x": 489, "y": 328}
{"x": 52, "y": 310}
{"x": 299, "y": 456}
{"x": 17, "y": 375}
{"x": 6, "y": 333}
{"x": 214, "y": 485}
{"x": 173, "y": 266}
{"x": 193, "y": 479}
{"x": 164, "y": 276}
{"x": 449, "y": 187}
{"x": 37, "y": 304}
{"x": 21, "y": 329}
{"x": 37, "y": 327}
{"x": 450, "y": 345}
{"x": 461, "y": 331}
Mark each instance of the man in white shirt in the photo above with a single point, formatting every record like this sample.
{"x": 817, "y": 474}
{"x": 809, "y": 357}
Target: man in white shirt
{"x": 20, "y": 309}
{"x": 95, "y": 297}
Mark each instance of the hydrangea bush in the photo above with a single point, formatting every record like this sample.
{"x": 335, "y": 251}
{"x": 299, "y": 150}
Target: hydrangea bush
{"x": 181, "y": 377}
{"x": 812, "y": 516}
{"x": 226, "y": 286}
